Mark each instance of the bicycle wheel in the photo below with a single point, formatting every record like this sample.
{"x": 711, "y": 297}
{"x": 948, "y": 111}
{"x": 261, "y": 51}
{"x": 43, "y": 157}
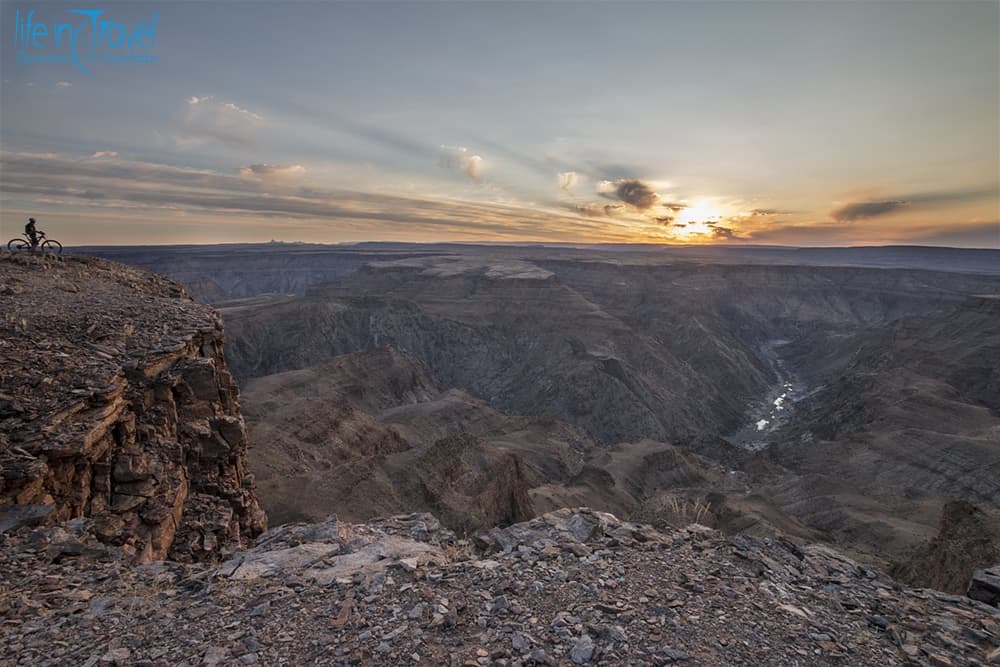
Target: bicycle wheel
{"x": 17, "y": 244}
{"x": 52, "y": 246}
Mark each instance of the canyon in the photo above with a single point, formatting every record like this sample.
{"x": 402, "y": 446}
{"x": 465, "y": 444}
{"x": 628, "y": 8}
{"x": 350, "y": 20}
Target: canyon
{"x": 443, "y": 438}
{"x": 398, "y": 377}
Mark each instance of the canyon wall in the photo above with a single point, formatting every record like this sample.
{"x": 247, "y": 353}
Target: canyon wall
{"x": 116, "y": 405}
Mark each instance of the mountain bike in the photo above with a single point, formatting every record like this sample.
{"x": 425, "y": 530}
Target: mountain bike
{"x": 44, "y": 245}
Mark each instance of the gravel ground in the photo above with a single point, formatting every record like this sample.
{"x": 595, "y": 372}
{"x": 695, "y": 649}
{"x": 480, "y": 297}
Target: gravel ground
{"x": 573, "y": 587}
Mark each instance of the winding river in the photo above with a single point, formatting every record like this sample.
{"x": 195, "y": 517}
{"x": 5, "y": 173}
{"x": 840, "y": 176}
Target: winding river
{"x": 775, "y": 409}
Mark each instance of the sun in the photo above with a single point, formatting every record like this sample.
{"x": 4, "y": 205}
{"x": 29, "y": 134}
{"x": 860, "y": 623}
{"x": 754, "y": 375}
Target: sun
{"x": 701, "y": 211}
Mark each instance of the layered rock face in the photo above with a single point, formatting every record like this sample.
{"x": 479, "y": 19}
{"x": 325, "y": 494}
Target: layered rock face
{"x": 969, "y": 537}
{"x": 369, "y": 434}
{"x": 116, "y": 404}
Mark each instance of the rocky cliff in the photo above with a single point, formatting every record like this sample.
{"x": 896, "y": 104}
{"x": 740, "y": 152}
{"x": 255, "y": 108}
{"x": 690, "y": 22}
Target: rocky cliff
{"x": 968, "y": 539}
{"x": 116, "y": 404}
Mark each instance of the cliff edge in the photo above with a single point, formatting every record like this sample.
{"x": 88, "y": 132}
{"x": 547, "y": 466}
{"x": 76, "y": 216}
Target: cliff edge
{"x": 116, "y": 404}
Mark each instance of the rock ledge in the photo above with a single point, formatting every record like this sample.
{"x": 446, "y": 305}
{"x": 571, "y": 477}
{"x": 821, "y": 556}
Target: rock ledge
{"x": 116, "y": 404}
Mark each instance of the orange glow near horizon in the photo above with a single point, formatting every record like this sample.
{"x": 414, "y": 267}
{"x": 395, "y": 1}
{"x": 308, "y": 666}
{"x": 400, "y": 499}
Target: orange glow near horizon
{"x": 701, "y": 210}
{"x": 692, "y": 224}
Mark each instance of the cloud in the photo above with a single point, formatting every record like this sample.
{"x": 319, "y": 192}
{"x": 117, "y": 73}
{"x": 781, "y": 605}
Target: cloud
{"x": 867, "y": 209}
{"x": 632, "y": 191}
{"x": 473, "y": 167}
{"x": 854, "y": 211}
{"x": 567, "y": 180}
{"x": 147, "y": 195}
{"x": 599, "y": 210}
{"x": 63, "y": 84}
{"x": 228, "y": 108}
{"x": 459, "y": 158}
{"x": 636, "y": 196}
{"x": 207, "y": 119}
{"x": 636, "y": 193}
{"x": 100, "y": 154}
{"x": 765, "y": 212}
{"x": 143, "y": 189}
{"x": 720, "y": 233}
{"x": 270, "y": 172}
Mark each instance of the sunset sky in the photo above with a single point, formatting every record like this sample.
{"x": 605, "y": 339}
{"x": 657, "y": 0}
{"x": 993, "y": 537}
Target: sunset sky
{"x": 819, "y": 123}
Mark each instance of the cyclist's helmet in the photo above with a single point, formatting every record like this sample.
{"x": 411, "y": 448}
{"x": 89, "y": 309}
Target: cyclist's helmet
{"x": 31, "y": 219}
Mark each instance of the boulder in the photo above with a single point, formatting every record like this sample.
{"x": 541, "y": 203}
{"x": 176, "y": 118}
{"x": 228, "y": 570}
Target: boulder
{"x": 985, "y": 586}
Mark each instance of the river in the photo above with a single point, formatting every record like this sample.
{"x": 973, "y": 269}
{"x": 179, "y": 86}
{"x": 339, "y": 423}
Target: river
{"x": 767, "y": 416}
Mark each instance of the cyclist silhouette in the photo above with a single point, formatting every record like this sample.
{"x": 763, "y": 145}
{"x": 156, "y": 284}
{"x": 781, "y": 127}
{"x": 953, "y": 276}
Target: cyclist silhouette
{"x": 34, "y": 239}
{"x": 32, "y": 233}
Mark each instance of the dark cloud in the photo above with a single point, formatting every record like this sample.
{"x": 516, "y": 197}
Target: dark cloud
{"x": 854, "y": 211}
{"x": 720, "y": 233}
{"x": 664, "y": 219}
{"x": 866, "y": 209}
{"x": 759, "y": 212}
{"x": 680, "y": 224}
{"x": 636, "y": 193}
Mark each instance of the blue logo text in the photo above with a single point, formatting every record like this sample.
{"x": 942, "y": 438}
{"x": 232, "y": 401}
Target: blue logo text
{"x": 89, "y": 38}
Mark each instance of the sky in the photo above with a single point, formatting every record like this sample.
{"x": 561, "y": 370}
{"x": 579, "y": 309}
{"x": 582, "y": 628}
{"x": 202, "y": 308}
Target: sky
{"x": 792, "y": 123}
